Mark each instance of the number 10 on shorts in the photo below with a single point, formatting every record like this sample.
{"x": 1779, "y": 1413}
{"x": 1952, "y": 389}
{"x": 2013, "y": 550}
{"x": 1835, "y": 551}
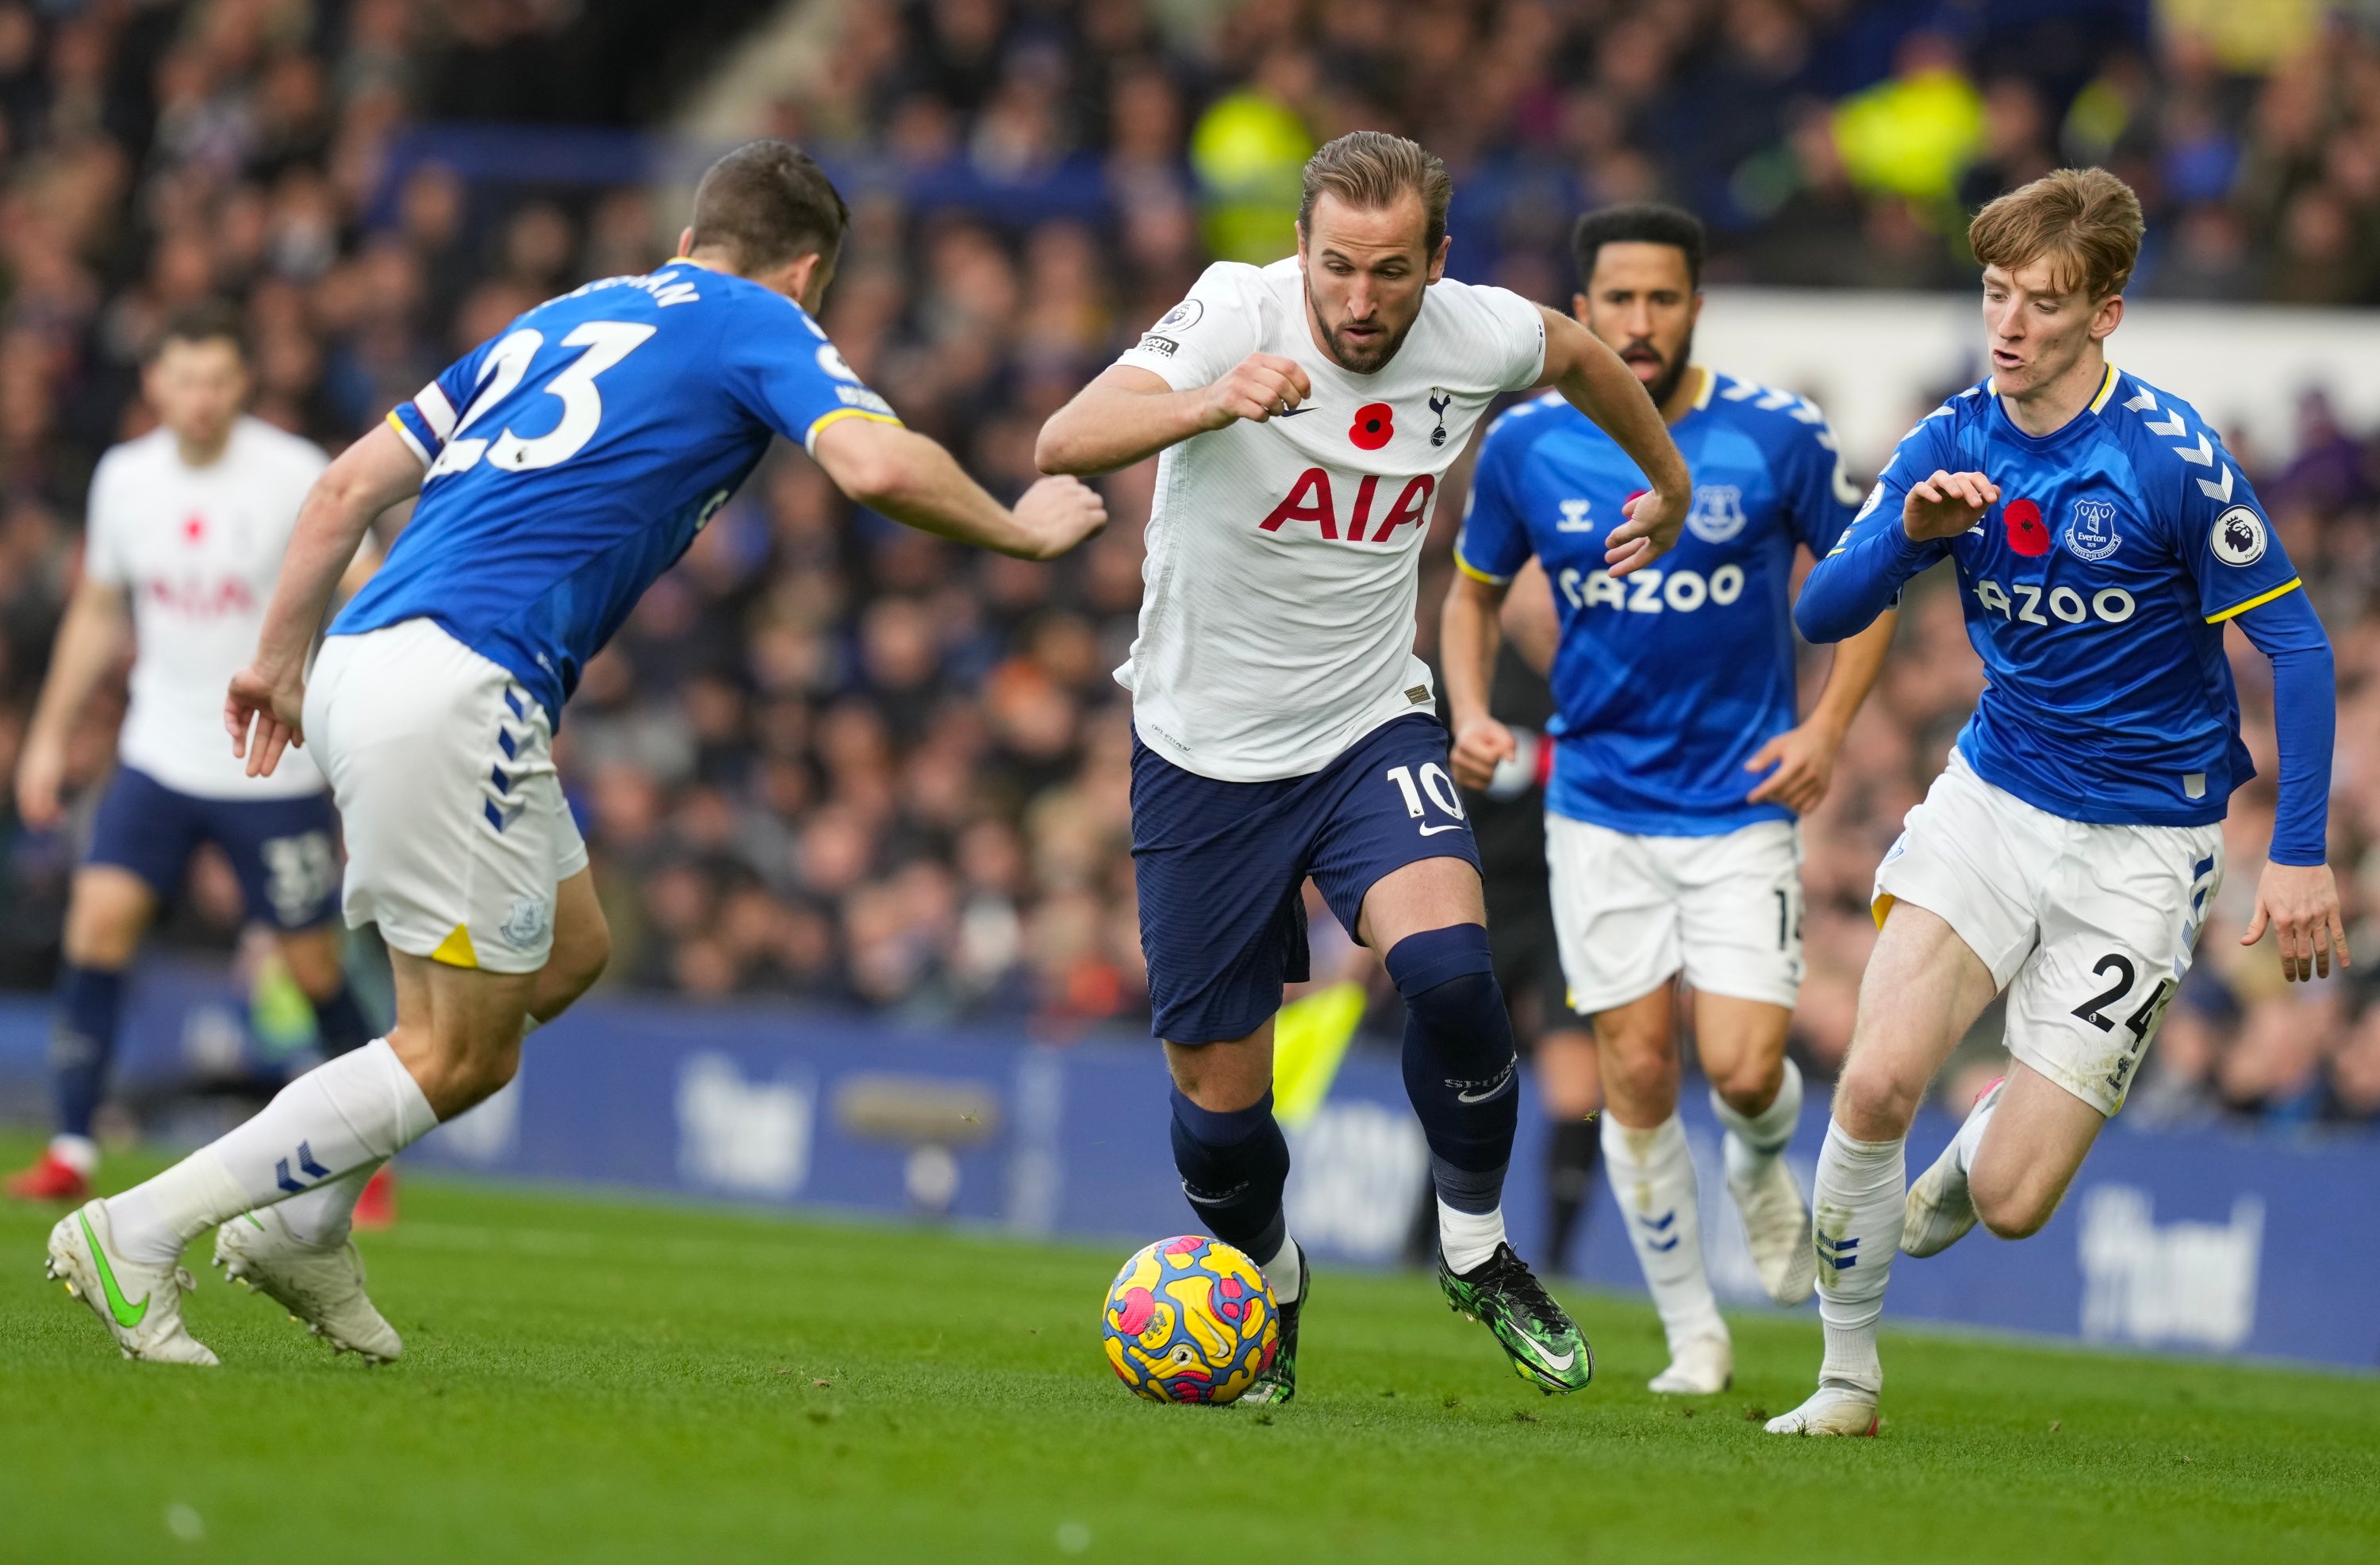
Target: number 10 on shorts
{"x": 1436, "y": 784}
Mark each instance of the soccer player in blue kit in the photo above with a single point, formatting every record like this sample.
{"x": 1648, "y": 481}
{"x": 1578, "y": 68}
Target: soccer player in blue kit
{"x": 2102, "y": 538}
{"x": 1679, "y": 761}
{"x": 561, "y": 469}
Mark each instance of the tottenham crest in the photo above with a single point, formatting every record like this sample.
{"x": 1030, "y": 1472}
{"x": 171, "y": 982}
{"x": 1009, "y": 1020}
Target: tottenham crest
{"x": 2238, "y": 537}
{"x": 1717, "y": 514}
{"x": 2092, "y": 534}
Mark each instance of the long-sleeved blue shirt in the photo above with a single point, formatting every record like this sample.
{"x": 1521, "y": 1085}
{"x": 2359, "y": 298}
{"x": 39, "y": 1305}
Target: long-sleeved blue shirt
{"x": 2095, "y": 591}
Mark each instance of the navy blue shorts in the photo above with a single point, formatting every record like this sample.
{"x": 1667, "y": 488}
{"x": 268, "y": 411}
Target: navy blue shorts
{"x": 285, "y": 852}
{"x": 1221, "y": 867}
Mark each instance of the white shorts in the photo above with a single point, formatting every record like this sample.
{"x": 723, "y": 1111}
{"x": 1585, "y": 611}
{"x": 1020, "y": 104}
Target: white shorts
{"x": 1630, "y": 912}
{"x": 442, "y": 767}
{"x": 2088, "y": 927}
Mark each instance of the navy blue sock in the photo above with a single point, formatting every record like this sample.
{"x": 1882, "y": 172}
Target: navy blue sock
{"x": 1459, "y": 1061}
{"x": 1232, "y": 1167}
{"x": 82, "y": 1041}
{"x": 340, "y": 1024}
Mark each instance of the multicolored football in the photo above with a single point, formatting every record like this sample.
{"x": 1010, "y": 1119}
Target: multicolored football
{"x": 1190, "y": 1320}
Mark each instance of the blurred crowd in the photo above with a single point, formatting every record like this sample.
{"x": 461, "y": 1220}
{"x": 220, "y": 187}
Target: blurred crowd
{"x": 832, "y": 758}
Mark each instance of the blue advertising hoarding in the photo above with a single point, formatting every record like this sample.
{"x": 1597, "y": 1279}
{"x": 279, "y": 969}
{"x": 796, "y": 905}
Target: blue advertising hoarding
{"x": 2203, "y": 1241}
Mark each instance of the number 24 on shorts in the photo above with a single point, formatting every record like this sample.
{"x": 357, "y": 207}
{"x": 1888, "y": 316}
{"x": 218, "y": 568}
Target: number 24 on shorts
{"x": 2140, "y": 1024}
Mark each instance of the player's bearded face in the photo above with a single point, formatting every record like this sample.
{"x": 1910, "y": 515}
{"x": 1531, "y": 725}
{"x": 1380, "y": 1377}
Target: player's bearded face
{"x": 1366, "y": 270}
{"x": 197, "y": 388}
{"x": 1642, "y": 302}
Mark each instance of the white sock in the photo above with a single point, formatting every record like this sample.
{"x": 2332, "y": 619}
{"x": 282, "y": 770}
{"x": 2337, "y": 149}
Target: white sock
{"x": 326, "y": 1213}
{"x": 1468, "y": 1239}
{"x": 79, "y": 1153}
{"x": 1861, "y": 1185}
{"x": 1754, "y": 1139}
{"x": 1652, "y": 1174}
{"x": 1284, "y": 1274}
{"x": 363, "y": 1106}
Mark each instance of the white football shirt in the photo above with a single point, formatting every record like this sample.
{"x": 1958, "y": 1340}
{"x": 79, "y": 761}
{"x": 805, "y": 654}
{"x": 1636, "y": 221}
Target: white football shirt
{"x": 1284, "y": 557}
{"x": 197, "y": 551}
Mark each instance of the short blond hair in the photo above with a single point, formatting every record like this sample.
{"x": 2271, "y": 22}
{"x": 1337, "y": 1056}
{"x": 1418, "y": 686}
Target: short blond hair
{"x": 2085, "y": 221}
{"x": 1369, "y": 169}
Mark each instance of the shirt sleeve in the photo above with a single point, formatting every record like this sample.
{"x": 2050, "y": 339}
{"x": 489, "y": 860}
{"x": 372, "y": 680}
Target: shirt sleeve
{"x": 1494, "y": 543}
{"x": 1197, "y": 342}
{"x": 426, "y": 420}
{"x": 1520, "y": 331}
{"x": 2229, "y": 550}
{"x": 779, "y": 365}
{"x": 1861, "y": 575}
{"x": 1820, "y": 496}
{"x": 103, "y": 524}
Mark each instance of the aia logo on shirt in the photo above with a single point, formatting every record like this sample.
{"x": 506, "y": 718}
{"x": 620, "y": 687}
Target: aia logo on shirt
{"x": 201, "y": 599}
{"x": 1310, "y": 499}
{"x": 2025, "y": 533}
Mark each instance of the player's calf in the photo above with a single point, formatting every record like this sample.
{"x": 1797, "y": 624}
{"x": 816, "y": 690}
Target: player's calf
{"x": 1461, "y": 1071}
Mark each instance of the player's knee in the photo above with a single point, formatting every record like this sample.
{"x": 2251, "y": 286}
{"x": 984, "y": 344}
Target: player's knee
{"x": 2013, "y": 1210}
{"x": 1750, "y": 1086}
{"x": 1872, "y": 1103}
{"x": 1645, "y": 1077}
{"x": 1448, "y": 981}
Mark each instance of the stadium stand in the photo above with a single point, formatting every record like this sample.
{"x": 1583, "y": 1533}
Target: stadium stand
{"x": 833, "y": 759}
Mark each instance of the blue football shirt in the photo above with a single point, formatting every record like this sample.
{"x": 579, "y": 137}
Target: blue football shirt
{"x": 2095, "y": 592}
{"x": 1668, "y": 679}
{"x": 573, "y": 458}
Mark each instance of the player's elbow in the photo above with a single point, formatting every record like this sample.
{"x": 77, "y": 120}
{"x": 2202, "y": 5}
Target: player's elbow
{"x": 1061, "y": 448}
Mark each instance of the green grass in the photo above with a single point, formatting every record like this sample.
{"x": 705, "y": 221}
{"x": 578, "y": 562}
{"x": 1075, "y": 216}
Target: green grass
{"x": 606, "y": 1379}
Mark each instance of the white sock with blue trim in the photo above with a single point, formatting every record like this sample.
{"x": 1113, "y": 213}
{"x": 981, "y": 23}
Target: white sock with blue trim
{"x": 1652, "y": 1174}
{"x": 1859, "y": 1202}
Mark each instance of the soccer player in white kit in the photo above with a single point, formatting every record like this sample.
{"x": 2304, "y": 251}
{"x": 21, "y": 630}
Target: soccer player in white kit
{"x": 184, "y": 531}
{"x": 1306, "y": 412}
{"x": 2103, "y": 539}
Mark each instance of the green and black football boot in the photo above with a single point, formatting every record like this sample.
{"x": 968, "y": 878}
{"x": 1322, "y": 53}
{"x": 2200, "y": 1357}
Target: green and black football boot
{"x": 1545, "y": 1346}
{"x": 1278, "y": 1384}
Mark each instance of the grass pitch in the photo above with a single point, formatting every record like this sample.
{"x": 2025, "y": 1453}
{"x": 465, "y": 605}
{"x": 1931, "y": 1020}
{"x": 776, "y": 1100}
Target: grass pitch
{"x": 603, "y": 1379}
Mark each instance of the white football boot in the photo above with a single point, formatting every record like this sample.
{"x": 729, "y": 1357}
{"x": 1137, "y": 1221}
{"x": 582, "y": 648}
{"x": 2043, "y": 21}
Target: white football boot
{"x": 1835, "y": 1410}
{"x": 1704, "y": 1367}
{"x": 1939, "y": 1210}
{"x": 138, "y": 1302}
{"x": 1776, "y": 1224}
{"x": 321, "y": 1286}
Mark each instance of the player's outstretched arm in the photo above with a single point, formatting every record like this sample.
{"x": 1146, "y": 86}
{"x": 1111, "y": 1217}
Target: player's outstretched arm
{"x": 90, "y": 638}
{"x": 1592, "y": 379}
{"x": 1129, "y": 414}
{"x": 263, "y": 709}
{"x": 2298, "y": 896}
{"x": 1852, "y": 586}
{"x": 1469, "y": 631}
{"x": 902, "y": 474}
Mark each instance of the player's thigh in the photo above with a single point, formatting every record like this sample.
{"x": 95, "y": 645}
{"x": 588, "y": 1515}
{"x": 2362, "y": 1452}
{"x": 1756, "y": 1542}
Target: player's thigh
{"x": 2118, "y": 929}
{"x": 285, "y": 855}
{"x": 444, "y": 771}
{"x": 582, "y": 944}
{"x": 1739, "y": 901}
{"x": 1636, "y": 1044}
{"x": 1922, "y": 989}
{"x": 1615, "y": 914}
{"x": 141, "y": 843}
{"x": 1220, "y": 871}
{"x": 1392, "y": 852}
{"x": 458, "y": 1029}
{"x": 2038, "y": 1136}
